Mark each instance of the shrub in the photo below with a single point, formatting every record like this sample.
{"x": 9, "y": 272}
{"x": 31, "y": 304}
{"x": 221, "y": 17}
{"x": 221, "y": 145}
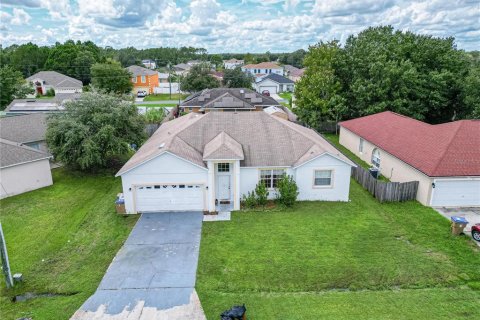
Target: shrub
{"x": 249, "y": 200}
{"x": 50, "y": 92}
{"x": 287, "y": 191}
{"x": 261, "y": 193}
{"x": 154, "y": 115}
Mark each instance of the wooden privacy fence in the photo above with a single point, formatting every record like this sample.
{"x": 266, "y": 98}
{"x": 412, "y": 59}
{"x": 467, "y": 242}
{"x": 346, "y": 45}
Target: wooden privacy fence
{"x": 385, "y": 191}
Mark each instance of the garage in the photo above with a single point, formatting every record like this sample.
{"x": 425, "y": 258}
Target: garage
{"x": 169, "y": 197}
{"x": 271, "y": 89}
{"x": 456, "y": 193}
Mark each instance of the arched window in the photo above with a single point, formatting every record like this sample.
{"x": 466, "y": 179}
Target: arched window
{"x": 376, "y": 158}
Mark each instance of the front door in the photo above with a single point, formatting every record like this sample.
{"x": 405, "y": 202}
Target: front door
{"x": 224, "y": 187}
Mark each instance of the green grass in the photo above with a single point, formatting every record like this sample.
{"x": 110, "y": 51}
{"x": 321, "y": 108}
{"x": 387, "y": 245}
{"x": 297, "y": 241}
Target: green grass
{"x": 165, "y": 96}
{"x": 286, "y": 95}
{"x": 157, "y": 105}
{"x": 62, "y": 238}
{"x": 334, "y": 260}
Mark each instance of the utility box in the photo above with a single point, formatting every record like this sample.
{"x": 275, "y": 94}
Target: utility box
{"x": 458, "y": 225}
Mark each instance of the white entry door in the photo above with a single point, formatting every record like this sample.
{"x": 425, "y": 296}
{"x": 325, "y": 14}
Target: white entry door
{"x": 171, "y": 197}
{"x": 224, "y": 187}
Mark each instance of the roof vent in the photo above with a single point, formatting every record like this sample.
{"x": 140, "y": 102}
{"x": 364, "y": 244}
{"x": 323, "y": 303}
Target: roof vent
{"x": 161, "y": 145}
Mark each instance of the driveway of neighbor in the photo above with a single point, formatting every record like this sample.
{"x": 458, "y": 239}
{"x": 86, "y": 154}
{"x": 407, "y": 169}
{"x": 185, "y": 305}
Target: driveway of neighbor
{"x": 153, "y": 274}
{"x": 472, "y": 214}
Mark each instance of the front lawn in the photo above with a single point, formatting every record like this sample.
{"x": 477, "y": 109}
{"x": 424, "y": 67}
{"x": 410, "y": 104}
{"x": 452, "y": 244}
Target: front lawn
{"x": 62, "y": 238}
{"x": 286, "y": 95}
{"x": 157, "y": 105}
{"x": 334, "y": 260}
{"x": 165, "y": 96}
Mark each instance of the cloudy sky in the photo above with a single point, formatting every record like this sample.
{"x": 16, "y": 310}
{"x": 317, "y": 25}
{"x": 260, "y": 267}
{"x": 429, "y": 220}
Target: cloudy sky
{"x": 230, "y": 25}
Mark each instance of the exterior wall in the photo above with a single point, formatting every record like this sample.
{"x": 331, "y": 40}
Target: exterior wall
{"x": 25, "y": 177}
{"x": 340, "y": 187}
{"x": 263, "y": 85}
{"x": 165, "y": 168}
{"x": 250, "y": 176}
{"x": 255, "y": 71}
{"x": 390, "y": 167}
{"x": 149, "y": 85}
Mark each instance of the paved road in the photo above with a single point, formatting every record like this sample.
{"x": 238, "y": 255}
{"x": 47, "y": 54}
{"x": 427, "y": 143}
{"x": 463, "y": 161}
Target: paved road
{"x": 153, "y": 274}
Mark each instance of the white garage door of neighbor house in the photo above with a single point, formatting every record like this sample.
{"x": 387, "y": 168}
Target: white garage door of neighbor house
{"x": 456, "y": 193}
{"x": 171, "y": 197}
{"x": 270, "y": 89}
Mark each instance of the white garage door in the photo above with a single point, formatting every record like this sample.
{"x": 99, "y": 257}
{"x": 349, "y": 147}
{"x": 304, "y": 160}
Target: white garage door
{"x": 456, "y": 193}
{"x": 171, "y": 197}
{"x": 271, "y": 89}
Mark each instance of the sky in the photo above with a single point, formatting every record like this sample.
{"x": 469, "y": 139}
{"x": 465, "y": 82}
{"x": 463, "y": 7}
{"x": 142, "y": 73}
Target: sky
{"x": 229, "y": 25}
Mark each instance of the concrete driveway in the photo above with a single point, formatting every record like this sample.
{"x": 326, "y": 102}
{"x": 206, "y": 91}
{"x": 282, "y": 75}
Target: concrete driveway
{"x": 472, "y": 214}
{"x": 153, "y": 274}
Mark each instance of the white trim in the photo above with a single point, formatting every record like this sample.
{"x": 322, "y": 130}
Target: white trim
{"x": 321, "y": 155}
{"x": 332, "y": 178}
{"x": 158, "y": 155}
{"x": 25, "y": 162}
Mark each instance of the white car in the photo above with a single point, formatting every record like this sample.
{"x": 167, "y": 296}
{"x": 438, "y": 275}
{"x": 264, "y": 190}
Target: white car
{"x": 141, "y": 94}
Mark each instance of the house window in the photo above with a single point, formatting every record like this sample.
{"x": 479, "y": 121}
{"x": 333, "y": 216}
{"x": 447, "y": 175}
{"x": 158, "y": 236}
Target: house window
{"x": 223, "y": 167}
{"x": 322, "y": 178}
{"x": 271, "y": 177}
{"x": 144, "y": 79}
{"x": 360, "y": 146}
{"x": 376, "y": 158}
{"x": 134, "y": 79}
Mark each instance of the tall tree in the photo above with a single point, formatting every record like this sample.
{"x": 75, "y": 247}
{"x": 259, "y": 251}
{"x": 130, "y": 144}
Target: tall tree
{"x": 83, "y": 62}
{"x": 94, "y": 130}
{"x": 111, "y": 77}
{"x": 236, "y": 78}
{"x": 198, "y": 78}
{"x": 12, "y": 85}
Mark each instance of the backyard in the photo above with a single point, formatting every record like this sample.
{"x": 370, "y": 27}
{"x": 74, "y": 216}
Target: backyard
{"x": 62, "y": 238}
{"x": 334, "y": 260}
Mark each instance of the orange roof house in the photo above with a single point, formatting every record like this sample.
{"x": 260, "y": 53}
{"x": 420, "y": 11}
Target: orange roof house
{"x": 143, "y": 79}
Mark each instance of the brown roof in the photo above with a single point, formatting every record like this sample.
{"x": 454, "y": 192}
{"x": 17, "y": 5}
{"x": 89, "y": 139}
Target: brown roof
{"x": 24, "y": 128}
{"x": 263, "y": 65}
{"x": 223, "y": 147}
{"x": 442, "y": 150}
{"x": 264, "y": 140}
{"x": 233, "y": 98}
{"x": 140, "y": 71}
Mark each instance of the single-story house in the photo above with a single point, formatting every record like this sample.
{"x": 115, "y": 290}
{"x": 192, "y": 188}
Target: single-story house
{"x": 60, "y": 83}
{"x": 149, "y": 64}
{"x": 226, "y": 99}
{"x": 199, "y": 161}
{"x": 274, "y": 83}
{"x": 28, "y": 130}
{"x": 181, "y": 69}
{"x": 263, "y": 68}
{"x": 232, "y": 63}
{"x": 22, "y": 169}
{"x": 444, "y": 158}
{"x": 33, "y": 105}
{"x": 293, "y": 73}
{"x": 163, "y": 77}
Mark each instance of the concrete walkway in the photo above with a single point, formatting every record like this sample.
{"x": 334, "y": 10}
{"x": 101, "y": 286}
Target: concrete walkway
{"x": 153, "y": 274}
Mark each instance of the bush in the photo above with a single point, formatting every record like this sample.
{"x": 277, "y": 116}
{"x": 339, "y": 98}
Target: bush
{"x": 154, "y": 115}
{"x": 287, "y": 191}
{"x": 249, "y": 200}
{"x": 50, "y": 92}
{"x": 261, "y": 193}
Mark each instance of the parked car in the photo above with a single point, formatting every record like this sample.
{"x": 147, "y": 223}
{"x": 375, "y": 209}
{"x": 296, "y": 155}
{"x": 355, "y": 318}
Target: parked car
{"x": 266, "y": 93}
{"x": 476, "y": 232}
{"x": 141, "y": 94}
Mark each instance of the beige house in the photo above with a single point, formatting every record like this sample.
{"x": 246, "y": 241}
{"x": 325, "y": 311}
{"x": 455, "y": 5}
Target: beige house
{"x": 444, "y": 158}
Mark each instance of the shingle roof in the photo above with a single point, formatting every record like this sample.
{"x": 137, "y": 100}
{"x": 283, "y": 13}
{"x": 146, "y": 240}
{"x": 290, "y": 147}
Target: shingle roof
{"x": 34, "y": 105}
{"x": 56, "y": 79}
{"x": 223, "y": 147}
{"x": 24, "y": 128}
{"x": 276, "y": 78}
{"x": 140, "y": 71}
{"x": 265, "y": 140}
{"x": 12, "y": 154}
{"x": 248, "y": 99}
{"x": 442, "y": 150}
{"x": 263, "y": 65}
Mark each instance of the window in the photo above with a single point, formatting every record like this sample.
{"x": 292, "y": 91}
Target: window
{"x": 376, "y": 158}
{"x": 271, "y": 177}
{"x": 322, "y": 178}
{"x": 223, "y": 167}
{"x": 144, "y": 79}
{"x": 360, "y": 146}
{"x": 134, "y": 79}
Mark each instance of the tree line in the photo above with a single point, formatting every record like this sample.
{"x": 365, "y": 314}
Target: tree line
{"x": 380, "y": 69}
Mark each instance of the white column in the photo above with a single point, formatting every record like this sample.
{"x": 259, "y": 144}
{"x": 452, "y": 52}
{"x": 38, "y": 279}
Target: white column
{"x": 211, "y": 186}
{"x": 236, "y": 193}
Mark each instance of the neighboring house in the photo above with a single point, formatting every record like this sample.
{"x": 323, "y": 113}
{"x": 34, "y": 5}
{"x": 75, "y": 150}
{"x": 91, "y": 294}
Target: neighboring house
{"x": 181, "y": 69}
{"x": 263, "y": 68}
{"x": 44, "y": 80}
{"x": 149, "y": 64}
{"x": 24, "y": 157}
{"x": 274, "y": 83}
{"x": 232, "y": 63}
{"x": 143, "y": 79}
{"x": 276, "y": 111}
{"x": 163, "y": 77}
{"x": 226, "y": 99}
{"x": 33, "y": 105}
{"x": 293, "y": 73}
{"x": 28, "y": 130}
{"x": 198, "y": 161}
{"x": 218, "y": 75}
{"x": 444, "y": 158}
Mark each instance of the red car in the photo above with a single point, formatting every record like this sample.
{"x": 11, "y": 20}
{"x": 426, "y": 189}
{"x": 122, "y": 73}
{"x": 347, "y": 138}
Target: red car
{"x": 476, "y": 232}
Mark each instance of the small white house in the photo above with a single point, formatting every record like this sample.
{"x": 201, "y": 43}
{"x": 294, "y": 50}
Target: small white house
{"x": 45, "y": 80}
{"x": 263, "y": 68}
{"x": 274, "y": 83}
{"x": 232, "y": 63}
{"x": 199, "y": 161}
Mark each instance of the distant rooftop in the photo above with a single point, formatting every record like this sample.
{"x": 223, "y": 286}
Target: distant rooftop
{"x": 56, "y": 79}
